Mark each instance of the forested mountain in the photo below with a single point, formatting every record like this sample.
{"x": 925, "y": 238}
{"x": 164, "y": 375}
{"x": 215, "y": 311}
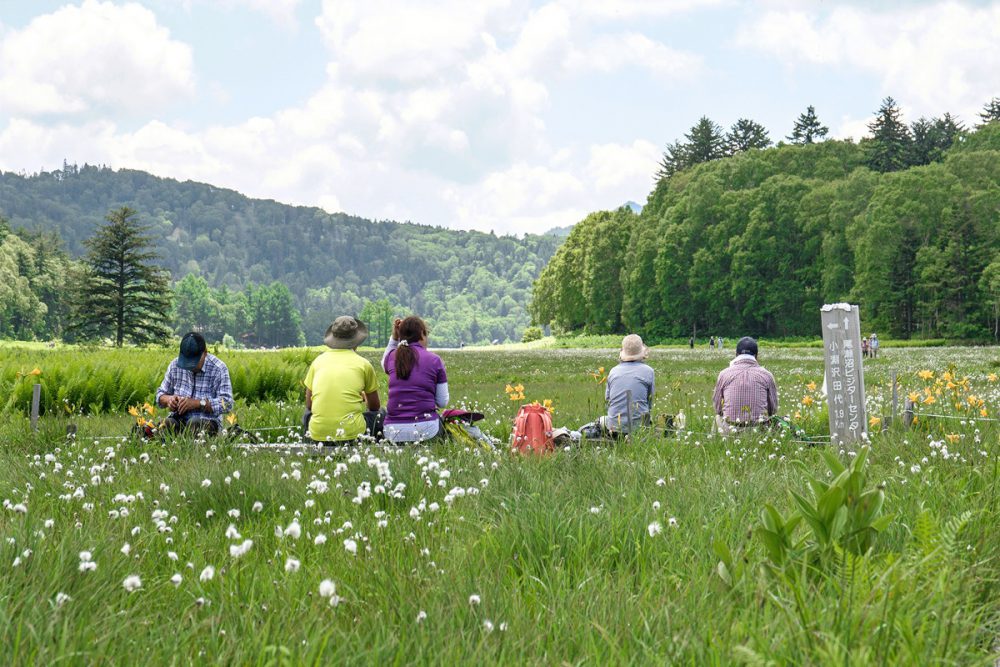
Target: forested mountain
{"x": 471, "y": 286}
{"x": 907, "y": 224}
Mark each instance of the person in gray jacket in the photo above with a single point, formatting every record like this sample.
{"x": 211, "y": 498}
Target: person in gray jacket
{"x": 628, "y": 393}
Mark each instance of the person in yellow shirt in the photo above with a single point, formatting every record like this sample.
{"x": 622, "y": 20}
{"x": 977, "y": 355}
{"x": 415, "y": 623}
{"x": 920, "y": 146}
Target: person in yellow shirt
{"x": 342, "y": 400}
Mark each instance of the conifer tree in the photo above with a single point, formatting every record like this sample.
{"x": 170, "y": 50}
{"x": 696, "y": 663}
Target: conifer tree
{"x": 807, "y": 129}
{"x": 931, "y": 138}
{"x": 990, "y": 112}
{"x": 121, "y": 291}
{"x": 705, "y": 142}
{"x": 891, "y": 144}
{"x": 674, "y": 159}
{"x": 745, "y": 135}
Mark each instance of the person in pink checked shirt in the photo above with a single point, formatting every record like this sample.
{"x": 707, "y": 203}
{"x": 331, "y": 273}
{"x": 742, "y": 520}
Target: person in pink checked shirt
{"x": 746, "y": 395}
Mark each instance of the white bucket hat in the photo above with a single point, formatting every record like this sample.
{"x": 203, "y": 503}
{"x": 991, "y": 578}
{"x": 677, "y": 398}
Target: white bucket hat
{"x": 633, "y": 349}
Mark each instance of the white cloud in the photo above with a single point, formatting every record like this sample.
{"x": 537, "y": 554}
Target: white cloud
{"x": 931, "y": 58}
{"x": 96, "y": 57}
{"x": 436, "y": 116}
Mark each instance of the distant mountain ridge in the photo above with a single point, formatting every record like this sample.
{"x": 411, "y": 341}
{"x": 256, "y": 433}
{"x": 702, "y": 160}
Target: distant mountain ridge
{"x": 471, "y": 286}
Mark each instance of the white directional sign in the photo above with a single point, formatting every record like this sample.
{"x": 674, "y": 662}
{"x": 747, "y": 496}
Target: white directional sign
{"x": 845, "y": 378}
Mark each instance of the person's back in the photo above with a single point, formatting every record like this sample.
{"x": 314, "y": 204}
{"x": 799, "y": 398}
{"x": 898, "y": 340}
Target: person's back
{"x": 745, "y": 392}
{"x": 630, "y": 387}
{"x": 418, "y": 384}
{"x": 337, "y": 379}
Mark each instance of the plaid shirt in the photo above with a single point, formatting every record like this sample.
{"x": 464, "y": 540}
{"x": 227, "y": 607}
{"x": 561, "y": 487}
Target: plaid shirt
{"x": 211, "y": 383}
{"x": 745, "y": 392}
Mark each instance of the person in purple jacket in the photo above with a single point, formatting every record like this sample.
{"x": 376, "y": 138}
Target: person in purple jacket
{"x": 418, "y": 384}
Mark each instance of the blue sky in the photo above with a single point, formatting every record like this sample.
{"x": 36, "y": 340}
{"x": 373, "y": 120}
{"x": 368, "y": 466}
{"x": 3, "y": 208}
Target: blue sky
{"x": 508, "y": 115}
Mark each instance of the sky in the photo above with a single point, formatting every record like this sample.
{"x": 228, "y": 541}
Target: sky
{"x": 508, "y": 115}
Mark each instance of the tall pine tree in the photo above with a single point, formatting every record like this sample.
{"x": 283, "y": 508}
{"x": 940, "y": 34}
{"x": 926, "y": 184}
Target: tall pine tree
{"x": 674, "y": 159}
{"x": 121, "y": 291}
{"x": 746, "y": 135}
{"x": 931, "y": 138}
{"x": 807, "y": 128}
{"x": 891, "y": 145}
{"x": 705, "y": 142}
{"x": 990, "y": 112}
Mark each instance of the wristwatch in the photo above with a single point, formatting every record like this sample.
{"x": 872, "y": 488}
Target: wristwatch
{"x": 203, "y": 403}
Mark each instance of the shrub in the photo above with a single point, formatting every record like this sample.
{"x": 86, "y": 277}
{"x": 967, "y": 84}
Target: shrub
{"x": 531, "y": 333}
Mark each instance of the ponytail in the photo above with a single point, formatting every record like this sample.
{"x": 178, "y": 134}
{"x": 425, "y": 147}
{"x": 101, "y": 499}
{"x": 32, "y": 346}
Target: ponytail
{"x": 411, "y": 330}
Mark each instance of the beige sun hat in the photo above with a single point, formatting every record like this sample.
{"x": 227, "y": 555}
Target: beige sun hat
{"x": 633, "y": 349}
{"x": 346, "y": 333}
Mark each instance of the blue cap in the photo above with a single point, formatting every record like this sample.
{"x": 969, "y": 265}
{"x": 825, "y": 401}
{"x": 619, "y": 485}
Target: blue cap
{"x": 192, "y": 347}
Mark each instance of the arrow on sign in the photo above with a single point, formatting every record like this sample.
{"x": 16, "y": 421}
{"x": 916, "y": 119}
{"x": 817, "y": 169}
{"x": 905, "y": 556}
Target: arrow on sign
{"x": 832, "y": 325}
{"x": 845, "y": 323}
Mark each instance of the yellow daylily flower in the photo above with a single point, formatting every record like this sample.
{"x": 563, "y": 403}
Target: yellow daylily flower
{"x": 133, "y": 410}
{"x": 509, "y": 389}
{"x": 36, "y": 371}
{"x": 992, "y": 377}
{"x": 150, "y": 410}
{"x": 914, "y": 396}
{"x": 925, "y": 375}
{"x": 930, "y": 399}
{"x": 811, "y": 386}
{"x": 953, "y": 437}
{"x": 231, "y": 418}
{"x": 807, "y": 400}
{"x": 874, "y": 421}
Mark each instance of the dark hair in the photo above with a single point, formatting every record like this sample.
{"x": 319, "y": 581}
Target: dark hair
{"x": 411, "y": 329}
{"x": 747, "y": 345}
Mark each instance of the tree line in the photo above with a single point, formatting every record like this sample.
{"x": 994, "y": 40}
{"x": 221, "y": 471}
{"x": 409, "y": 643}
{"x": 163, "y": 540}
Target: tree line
{"x": 469, "y": 286}
{"x": 753, "y": 241}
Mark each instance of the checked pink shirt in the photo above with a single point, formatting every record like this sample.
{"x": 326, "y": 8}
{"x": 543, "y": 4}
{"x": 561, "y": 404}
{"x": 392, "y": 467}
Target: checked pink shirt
{"x": 745, "y": 392}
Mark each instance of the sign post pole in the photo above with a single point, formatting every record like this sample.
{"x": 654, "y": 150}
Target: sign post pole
{"x": 845, "y": 379}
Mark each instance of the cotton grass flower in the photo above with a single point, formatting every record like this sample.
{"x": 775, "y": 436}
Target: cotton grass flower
{"x": 654, "y": 529}
{"x": 62, "y": 598}
{"x": 132, "y": 583}
{"x": 292, "y": 565}
{"x": 238, "y": 550}
{"x": 87, "y": 563}
{"x": 176, "y": 579}
{"x": 474, "y": 600}
{"x": 207, "y": 574}
{"x": 294, "y": 530}
{"x": 327, "y": 589}
{"x": 320, "y": 539}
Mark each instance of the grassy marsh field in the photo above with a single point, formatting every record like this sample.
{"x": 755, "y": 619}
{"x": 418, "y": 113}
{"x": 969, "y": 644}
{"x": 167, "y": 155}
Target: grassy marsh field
{"x": 650, "y": 551}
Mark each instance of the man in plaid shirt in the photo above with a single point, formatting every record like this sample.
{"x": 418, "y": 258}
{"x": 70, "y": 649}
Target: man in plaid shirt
{"x": 196, "y": 388}
{"x": 745, "y": 393}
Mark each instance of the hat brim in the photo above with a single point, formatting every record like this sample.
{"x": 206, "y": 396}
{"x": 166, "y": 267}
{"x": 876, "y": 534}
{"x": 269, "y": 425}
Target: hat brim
{"x": 642, "y": 356}
{"x": 336, "y": 343}
{"x": 187, "y": 363}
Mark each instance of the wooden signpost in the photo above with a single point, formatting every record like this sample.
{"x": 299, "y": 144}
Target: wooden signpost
{"x": 845, "y": 378}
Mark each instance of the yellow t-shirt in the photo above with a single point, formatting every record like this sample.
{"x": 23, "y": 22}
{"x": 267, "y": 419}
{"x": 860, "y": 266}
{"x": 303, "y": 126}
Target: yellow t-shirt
{"x": 336, "y": 379}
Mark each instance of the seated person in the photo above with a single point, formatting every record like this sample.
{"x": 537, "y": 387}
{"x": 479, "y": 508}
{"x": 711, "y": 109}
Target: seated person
{"x": 746, "y": 395}
{"x": 417, "y": 384}
{"x": 342, "y": 400}
{"x": 196, "y": 389}
{"x": 634, "y": 379}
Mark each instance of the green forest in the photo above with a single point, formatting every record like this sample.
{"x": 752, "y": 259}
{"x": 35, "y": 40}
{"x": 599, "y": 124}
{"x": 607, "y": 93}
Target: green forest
{"x": 739, "y": 237}
{"x": 260, "y": 271}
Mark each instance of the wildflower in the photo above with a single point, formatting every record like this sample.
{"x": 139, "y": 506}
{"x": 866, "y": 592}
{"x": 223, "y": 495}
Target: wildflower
{"x": 207, "y": 574}
{"x": 914, "y": 396}
{"x": 238, "y": 550}
{"x": 20, "y": 508}
{"x": 133, "y": 410}
{"x": 320, "y": 539}
{"x": 654, "y": 529}
{"x": 474, "y": 599}
{"x": 232, "y": 533}
{"x": 176, "y": 579}
{"x": 231, "y": 418}
{"x": 672, "y": 522}
{"x": 656, "y": 504}
{"x": 488, "y": 625}
{"x": 258, "y": 506}
{"x": 925, "y": 375}
{"x": 62, "y": 598}
{"x": 952, "y": 437}
{"x": 992, "y": 377}
{"x": 328, "y": 589}
{"x": 421, "y": 616}
{"x": 661, "y": 482}
{"x": 808, "y": 400}
{"x": 172, "y": 555}
{"x": 132, "y": 583}
{"x": 595, "y": 510}
{"x": 351, "y": 546}
{"x": 929, "y": 399}
{"x": 874, "y": 421}
{"x": 126, "y": 548}
{"x": 87, "y": 563}
{"x": 811, "y": 386}
{"x": 292, "y": 565}
{"x": 294, "y": 530}
{"x": 205, "y": 483}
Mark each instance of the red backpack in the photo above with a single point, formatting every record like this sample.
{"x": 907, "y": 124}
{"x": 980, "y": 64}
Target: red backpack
{"x": 532, "y": 432}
